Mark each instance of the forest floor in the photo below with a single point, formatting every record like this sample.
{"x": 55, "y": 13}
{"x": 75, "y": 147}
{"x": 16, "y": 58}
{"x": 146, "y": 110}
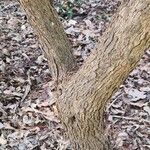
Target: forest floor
{"x": 28, "y": 115}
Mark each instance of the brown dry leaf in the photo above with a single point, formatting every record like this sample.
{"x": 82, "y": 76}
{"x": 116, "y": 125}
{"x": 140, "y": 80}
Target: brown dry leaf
{"x": 3, "y": 141}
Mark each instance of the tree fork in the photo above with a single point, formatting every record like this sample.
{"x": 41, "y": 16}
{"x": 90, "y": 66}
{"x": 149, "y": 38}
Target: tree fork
{"x": 84, "y": 96}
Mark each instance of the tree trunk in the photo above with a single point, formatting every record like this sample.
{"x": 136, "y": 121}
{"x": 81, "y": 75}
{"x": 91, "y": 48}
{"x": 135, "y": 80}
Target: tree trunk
{"x": 84, "y": 95}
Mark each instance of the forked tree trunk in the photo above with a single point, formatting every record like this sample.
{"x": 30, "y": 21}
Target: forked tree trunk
{"x": 84, "y": 95}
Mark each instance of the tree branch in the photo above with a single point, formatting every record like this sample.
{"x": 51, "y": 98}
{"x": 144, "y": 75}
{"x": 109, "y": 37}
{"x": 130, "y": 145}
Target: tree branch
{"x": 84, "y": 97}
{"x": 49, "y": 30}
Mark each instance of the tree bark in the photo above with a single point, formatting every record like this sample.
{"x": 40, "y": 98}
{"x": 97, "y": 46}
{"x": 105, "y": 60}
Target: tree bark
{"x": 83, "y": 97}
{"x": 44, "y": 20}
